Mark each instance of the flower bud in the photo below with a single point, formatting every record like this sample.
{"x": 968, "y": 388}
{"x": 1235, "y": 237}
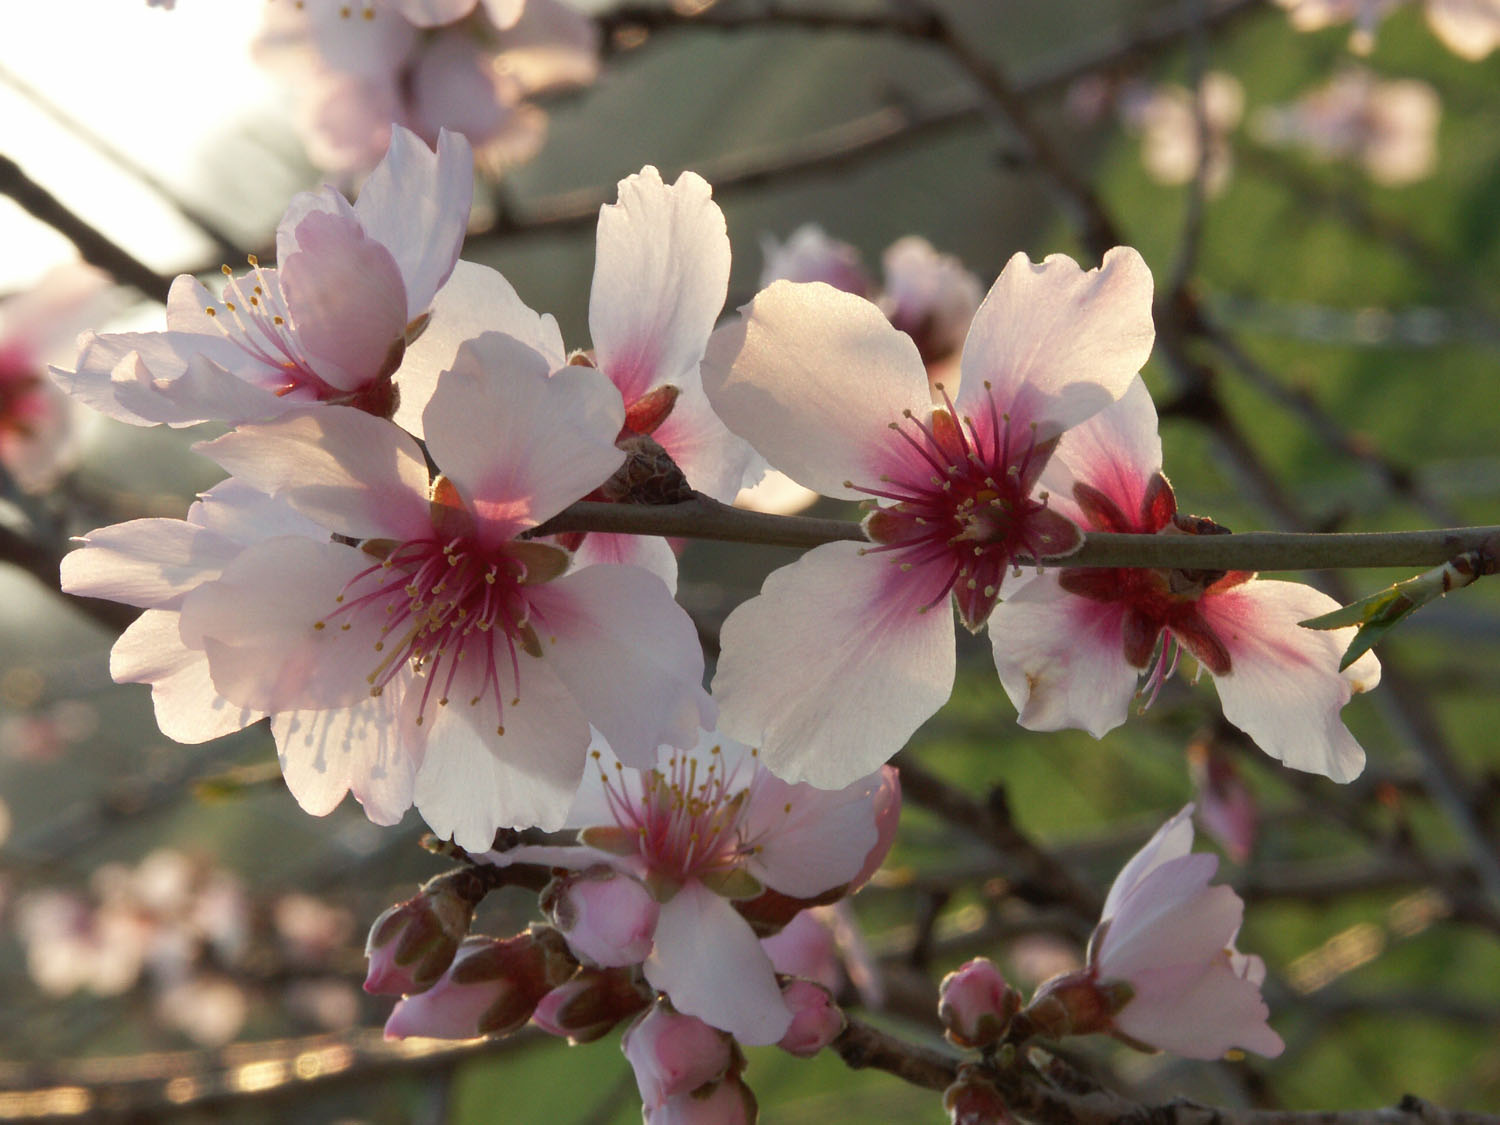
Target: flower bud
{"x": 729, "y": 1102}
{"x": 413, "y": 942}
{"x": 1073, "y": 1004}
{"x": 491, "y": 988}
{"x": 816, "y": 1019}
{"x": 974, "y": 1100}
{"x": 608, "y": 918}
{"x": 588, "y": 1006}
{"x": 674, "y": 1054}
{"x": 976, "y": 1005}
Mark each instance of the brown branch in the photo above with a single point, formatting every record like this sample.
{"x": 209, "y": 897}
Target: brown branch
{"x": 93, "y": 246}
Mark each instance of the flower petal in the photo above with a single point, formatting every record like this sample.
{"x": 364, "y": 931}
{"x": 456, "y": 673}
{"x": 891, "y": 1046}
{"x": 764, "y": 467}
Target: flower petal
{"x": 521, "y": 446}
{"x": 1117, "y": 452}
{"x": 1057, "y": 343}
{"x": 661, "y": 272}
{"x": 833, "y": 666}
{"x": 416, "y": 204}
{"x": 1061, "y": 658}
{"x": 150, "y": 563}
{"x": 188, "y": 708}
{"x": 352, "y": 473}
{"x": 1172, "y": 840}
{"x": 629, "y": 654}
{"x": 649, "y": 552}
{"x": 1284, "y": 688}
{"x": 813, "y": 378}
{"x": 709, "y": 964}
{"x": 809, "y": 840}
{"x": 325, "y": 754}
{"x": 475, "y": 300}
{"x": 1218, "y": 1010}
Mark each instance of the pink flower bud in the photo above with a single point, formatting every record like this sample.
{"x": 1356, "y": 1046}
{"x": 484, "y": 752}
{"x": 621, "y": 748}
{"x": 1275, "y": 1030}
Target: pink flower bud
{"x": 1072, "y": 1004}
{"x": 1226, "y": 807}
{"x": 674, "y": 1054}
{"x": 491, "y": 988}
{"x": 975, "y": 1004}
{"x": 816, "y": 1019}
{"x": 608, "y": 918}
{"x": 974, "y": 1100}
{"x": 413, "y": 942}
{"x": 729, "y": 1102}
{"x": 887, "y": 803}
{"x": 590, "y": 1005}
{"x": 805, "y": 948}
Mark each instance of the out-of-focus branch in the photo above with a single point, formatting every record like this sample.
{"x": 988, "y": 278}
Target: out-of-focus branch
{"x": 93, "y": 246}
{"x": 41, "y": 561}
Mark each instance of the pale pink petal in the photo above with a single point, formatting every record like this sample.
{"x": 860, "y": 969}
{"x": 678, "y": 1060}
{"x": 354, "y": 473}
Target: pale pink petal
{"x": 813, "y": 378}
{"x": 649, "y": 552}
{"x": 325, "y": 754}
{"x": 715, "y": 461}
{"x": 809, "y": 254}
{"x": 434, "y": 13}
{"x": 345, "y": 299}
{"x": 809, "y": 840}
{"x": 502, "y": 13}
{"x": 258, "y": 625}
{"x": 1057, "y": 343}
{"x": 661, "y": 272}
{"x": 709, "y": 964}
{"x": 474, "y": 780}
{"x": 521, "y": 446}
{"x": 1061, "y": 658}
{"x": 1116, "y": 451}
{"x": 188, "y": 708}
{"x": 205, "y": 391}
{"x": 1469, "y": 28}
{"x": 1172, "y": 840}
{"x": 834, "y": 665}
{"x": 453, "y": 85}
{"x": 352, "y": 473}
{"x": 324, "y": 201}
{"x": 1283, "y": 687}
{"x": 1172, "y": 917}
{"x": 241, "y": 513}
{"x": 416, "y": 203}
{"x": 553, "y": 44}
{"x": 48, "y": 316}
{"x": 1218, "y": 1010}
{"x": 629, "y": 654}
{"x": 475, "y": 300}
{"x": 150, "y": 563}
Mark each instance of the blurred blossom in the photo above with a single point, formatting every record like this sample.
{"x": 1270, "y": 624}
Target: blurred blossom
{"x": 310, "y": 930}
{"x": 1226, "y": 806}
{"x": 929, "y": 295}
{"x": 1389, "y": 128}
{"x": 329, "y": 1004}
{"x": 45, "y": 735}
{"x": 1038, "y": 957}
{"x": 210, "y": 1010}
{"x": 1172, "y": 137}
{"x": 73, "y": 946}
{"x": 351, "y": 78}
{"x": 38, "y": 423}
{"x": 1468, "y": 28}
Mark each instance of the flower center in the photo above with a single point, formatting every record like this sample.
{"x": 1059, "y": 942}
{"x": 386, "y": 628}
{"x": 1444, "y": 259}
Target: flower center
{"x": 447, "y": 606}
{"x": 963, "y": 507}
{"x": 687, "y": 817}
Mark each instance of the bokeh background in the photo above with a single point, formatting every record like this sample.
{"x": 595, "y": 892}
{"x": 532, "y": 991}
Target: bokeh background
{"x": 178, "y": 941}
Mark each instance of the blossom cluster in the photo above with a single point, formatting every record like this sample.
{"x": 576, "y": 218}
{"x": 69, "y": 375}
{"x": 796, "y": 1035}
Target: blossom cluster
{"x": 374, "y": 577}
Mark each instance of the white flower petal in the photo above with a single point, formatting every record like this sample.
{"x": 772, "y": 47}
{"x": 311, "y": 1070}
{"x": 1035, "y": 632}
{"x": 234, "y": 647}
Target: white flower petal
{"x": 833, "y": 666}
{"x": 1172, "y": 840}
{"x": 325, "y": 754}
{"x": 188, "y": 708}
{"x": 813, "y": 378}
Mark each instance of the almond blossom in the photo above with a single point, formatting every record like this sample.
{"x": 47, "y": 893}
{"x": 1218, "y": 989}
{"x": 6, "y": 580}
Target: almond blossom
{"x": 660, "y": 275}
{"x": 707, "y": 828}
{"x": 1173, "y": 138}
{"x": 353, "y": 283}
{"x": 842, "y": 656}
{"x": 1389, "y": 128}
{"x": 38, "y": 439}
{"x": 355, "y": 651}
{"x": 1070, "y": 643}
{"x": 1163, "y": 971}
{"x": 1468, "y": 28}
{"x": 426, "y": 65}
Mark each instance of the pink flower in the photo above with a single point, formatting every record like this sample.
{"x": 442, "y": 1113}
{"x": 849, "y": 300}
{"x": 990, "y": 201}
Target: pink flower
{"x": 1388, "y": 127}
{"x": 703, "y": 830}
{"x": 1163, "y": 972}
{"x": 660, "y": 274}
{"x": 37, "y": 438}
{"x": 329, "y": 324}
{"x": 1070, "y": 643}
{"x": 432, "y": 65}
{"x": 673, "y": 1054}
{"x": 839, "y": 660}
